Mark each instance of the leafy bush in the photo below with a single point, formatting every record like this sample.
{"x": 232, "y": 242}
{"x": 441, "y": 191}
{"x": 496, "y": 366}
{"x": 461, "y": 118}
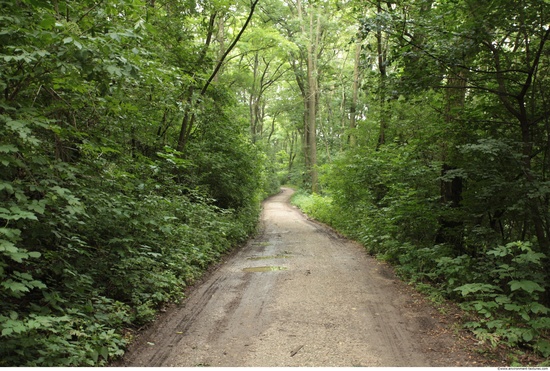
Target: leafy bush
{"x": 507, "y": 297}
{"x": 106, "y": 257}
{"x": 317, "y": 206}
{"x": 385, "y": 200}
{"x": 101, "y": 219}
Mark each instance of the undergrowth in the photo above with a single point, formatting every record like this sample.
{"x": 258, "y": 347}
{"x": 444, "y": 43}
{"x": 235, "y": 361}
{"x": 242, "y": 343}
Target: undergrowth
{"x": 74, "y": 280}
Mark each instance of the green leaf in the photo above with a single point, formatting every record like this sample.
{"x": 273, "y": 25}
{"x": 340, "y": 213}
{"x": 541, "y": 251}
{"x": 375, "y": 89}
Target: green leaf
{"x": 502, "y": 299}
{"x": 95, "y": 355}
{"x": 19, "y": 256}
{"x": 470, "y": 288}
{"x": 48, "y": 22}
{"x": 19, "y": 327}
{"x": 16, "y": 287}
{"x": 525, "y": 285}
{"x": 7, "y": 148}
{"x": 497, "y": 323}
{"x": 17, "y": 214}
{"x": 7, "y": 246}
{"x": 34, "y": 254}
{"x": 7, "y": 331}
{"x": 528, "y": 335}
{"x": 538, "y": 308}
{"x": 37, "y": 206}
{"x": 513, "y": 307}
{"x": 61, "y": 191}
{"x": 23, "y": 276}
{"x": 543, "y": 347}
{"x": 7, "y": 187}
{"x": 104, "y": 352}
{"x": 114, "y": 36}
{"x": 114, "y": 70}
{"x": 529, "y": 257}
{"x": 540, "y": 323}
{"x": 20, "y": 127}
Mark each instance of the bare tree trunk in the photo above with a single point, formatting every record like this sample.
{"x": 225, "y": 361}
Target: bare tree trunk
{"x": 221, "y": 41}
{"x": 312, "y": 98}
{"x": 355, "y": 92}
{"x": 381, "y": 82}
{"x": 252, "y": 102}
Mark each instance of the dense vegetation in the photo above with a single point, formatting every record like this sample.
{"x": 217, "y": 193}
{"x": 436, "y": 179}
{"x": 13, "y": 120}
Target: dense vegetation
{"x": 103, "y": 219}
{"x": 138, "y": 137}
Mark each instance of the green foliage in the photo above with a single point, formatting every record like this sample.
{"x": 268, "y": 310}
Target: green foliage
{"x": 388, "y": 191}
{"x": 509, "y": 308}
{"x": 101, "y": 220}
{"x": 385, "y": 199}
{"x": 318, "y": 207}
{"x": 82, "y": 336}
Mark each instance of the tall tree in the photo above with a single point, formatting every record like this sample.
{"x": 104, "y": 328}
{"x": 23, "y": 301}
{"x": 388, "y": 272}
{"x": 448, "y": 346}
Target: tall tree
{"x": 355, "y": 93}
{"x": 193, "y": 99}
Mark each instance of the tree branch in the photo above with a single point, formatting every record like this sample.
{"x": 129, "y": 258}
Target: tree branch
{"x": 222, "y": 59}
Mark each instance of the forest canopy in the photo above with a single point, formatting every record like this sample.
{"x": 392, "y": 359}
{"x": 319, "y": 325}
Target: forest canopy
{"x": 138, "y": 137}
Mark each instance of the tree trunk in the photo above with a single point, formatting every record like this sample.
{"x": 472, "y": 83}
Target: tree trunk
{"x": 312, "y": 99}
{"x": 517, "y": 108}
{"x": 536, "y": 215}
{"x": 451, "y": 229}
{"x": 355, "y": 92}
{"x": 381, "y": 82}
{"x": 221, "y": 41}
{"x": 253, "y": 101}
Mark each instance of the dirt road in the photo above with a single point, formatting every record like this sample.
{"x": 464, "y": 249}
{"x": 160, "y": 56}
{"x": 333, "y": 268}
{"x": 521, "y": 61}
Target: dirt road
{"x": 299, "y": 295}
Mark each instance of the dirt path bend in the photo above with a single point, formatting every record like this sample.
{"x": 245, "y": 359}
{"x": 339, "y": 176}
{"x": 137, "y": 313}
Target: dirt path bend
{"x": 299, "y": 295}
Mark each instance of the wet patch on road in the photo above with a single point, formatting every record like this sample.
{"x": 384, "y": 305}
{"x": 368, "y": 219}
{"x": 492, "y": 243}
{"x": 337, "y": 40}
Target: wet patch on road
{"x": 268, "y": 268}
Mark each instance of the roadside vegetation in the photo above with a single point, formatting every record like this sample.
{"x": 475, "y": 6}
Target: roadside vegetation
{"x": 102, "y": 218}
{"x": 501, "y": 283}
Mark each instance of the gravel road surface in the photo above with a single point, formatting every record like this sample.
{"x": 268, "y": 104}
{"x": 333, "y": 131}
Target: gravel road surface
{"x": 299, "y": 295}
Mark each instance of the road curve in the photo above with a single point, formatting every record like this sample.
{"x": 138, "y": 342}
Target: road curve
{"x": 299, "y": 295}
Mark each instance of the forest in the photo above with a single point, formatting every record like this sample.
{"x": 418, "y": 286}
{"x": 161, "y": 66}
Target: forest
{"x": 139, "y": 137}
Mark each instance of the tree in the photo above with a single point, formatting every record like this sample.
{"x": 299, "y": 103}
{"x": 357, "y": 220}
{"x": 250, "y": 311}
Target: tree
{"x": 307, "y": 27}
{"x": 192, "y": 98}
{"x": 355, "y": 92}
